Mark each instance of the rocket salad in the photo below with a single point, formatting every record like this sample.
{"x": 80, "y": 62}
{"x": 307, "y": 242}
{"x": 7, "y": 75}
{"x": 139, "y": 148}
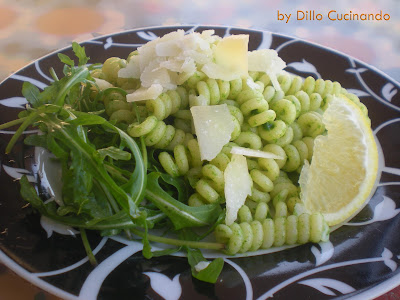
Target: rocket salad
{"x": 109, "y": 182}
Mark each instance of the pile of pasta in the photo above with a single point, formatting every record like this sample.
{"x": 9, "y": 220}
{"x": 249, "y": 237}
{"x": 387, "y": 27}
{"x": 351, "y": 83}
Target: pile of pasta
{"x": 282, "y": 118}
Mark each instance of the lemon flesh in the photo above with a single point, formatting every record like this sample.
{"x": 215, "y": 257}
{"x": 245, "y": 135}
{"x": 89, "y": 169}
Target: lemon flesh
{"x": 344, "y": 166}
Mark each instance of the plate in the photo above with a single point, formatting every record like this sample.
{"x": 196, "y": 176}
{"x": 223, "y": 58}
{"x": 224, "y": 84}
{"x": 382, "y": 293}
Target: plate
{"x": 361, "y": 260}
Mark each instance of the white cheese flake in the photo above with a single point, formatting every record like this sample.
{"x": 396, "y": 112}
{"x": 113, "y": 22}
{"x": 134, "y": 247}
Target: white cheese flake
{"x": 143, "y": 93}
{"x": 265, "y": 60}
{"x": 254, "y": 153}
{"x": 238, "y": 184}
{"x": 199, "y": 100}
{"x": 231, "y": 54}
{"x": 168, "y": 61}
{"x": 215, "y": 71}
{"x": 201, "y": 266}
{"x": 132, "y": 69}
{"x": 103, "y": 84}
{"x": 268, "y": 61}
{"x": 213, "y": 127}
{"x": 153, "y": 74}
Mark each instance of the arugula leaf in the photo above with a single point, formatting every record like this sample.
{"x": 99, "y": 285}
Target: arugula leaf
{"x": 26, "y": 121}
{"x": 31, "y": 93}
{"x": 54, "y": 147}
{"x": 50, "y": 93}
{"x": 147, "y": 253}
{"x": 154, "y": 164}
{"x": 80, "y": 53}
{"x": 114, "y": 153}
{"x": 94, "y": 164}
{"x": 28, "y": 192}
{"x": 77, "y": 181}
{"x": 86, "y": 119}
{"x": 211, "y": 272}
{"x": 105, "y": 171}
{"x": 119, "y": 220}
{"x": 167, "y": 251}
{"x": 67, "y": 83}
{"x": 88, "y": 249}
{"x": 66, "y": 60}
{"x": 179, "y": 183}
{"x": 36, "y": 140}
{"x": 180, "y": 214}
{"x": 137, "y": 182}
{"x": 86, "y": 163}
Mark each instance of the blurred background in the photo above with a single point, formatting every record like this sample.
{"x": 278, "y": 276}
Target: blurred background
{"x": 30, "y": 29}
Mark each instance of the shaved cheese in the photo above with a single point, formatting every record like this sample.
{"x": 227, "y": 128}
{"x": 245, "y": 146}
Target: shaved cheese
{"x": 103, "y": 84}
{"x": 254, "y": 153}
{"x": 201, "y": 265}
{"x": 268, "y": 61}
{"x": 197, "y": 56}
{"x": 215, "y": 71}
{"x": 179, "y": 66}
{"x": 208, "y": 35}
{"x": 252, "y": 85}
{"x": 213, "y": 127}
{"x": 265, "y": 60}
{"x": 231, "y": 54}
{"x": 168, "y": 61}
{"x": 152, "y": 74}
{"x": 199, "y": 100}
{"x": 131, "y": 70}
{"x": 238, "y": 184}
{"x": 169, "y": 48}
{"x": 274, "y": 81}
{"x": 142, "y": 93}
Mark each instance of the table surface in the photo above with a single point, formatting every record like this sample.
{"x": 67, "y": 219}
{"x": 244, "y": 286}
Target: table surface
{"x": 31, "y": 29}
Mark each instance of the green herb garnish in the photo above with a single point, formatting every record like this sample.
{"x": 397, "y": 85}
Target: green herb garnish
{"x": 106, "y": 184}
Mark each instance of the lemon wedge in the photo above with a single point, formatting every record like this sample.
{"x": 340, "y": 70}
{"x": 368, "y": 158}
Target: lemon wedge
{"x": 344, "y": 166}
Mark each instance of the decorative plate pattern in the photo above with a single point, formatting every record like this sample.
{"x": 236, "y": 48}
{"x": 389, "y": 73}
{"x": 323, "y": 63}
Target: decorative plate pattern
{"x": 361, "y": 258}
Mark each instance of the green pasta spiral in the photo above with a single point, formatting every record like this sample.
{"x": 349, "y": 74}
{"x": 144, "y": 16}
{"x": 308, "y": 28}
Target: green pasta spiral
{"x": 191, "y": 82}
{"x": 260, "y": 77}
{"x": 297, "y": 152}
{"x": 249, "y": 212}
{"x": 290, "y": 84}
{"x": 157, "y": 133}
{"x": 283, "y": 190}
{"x": 273, "y": 131}
{"x": 285, "y": 110}
{"x": 209, "y": 92}
{"x": 311, "y": 124}
{"x": 184, "y": 156}
{"x": 168, "y": 103}
{"x": 210, "y": 184}
{"x": 111, "y": 67}
{"x": 253, "y": 235}
{"x": 118, "y": 109}
{"x": 271, "y": 94}
{"x": 249, "y": 139}
{"x": 254, "y": 107}
{"x": 321, "y": 87}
